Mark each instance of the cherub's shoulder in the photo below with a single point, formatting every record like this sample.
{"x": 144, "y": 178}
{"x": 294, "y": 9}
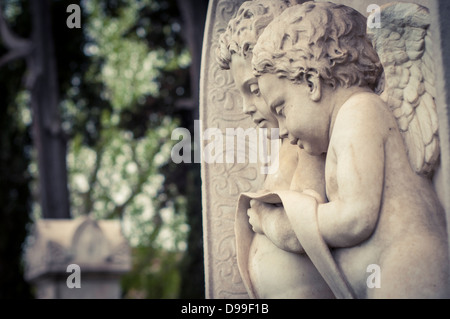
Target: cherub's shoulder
{"x": 363, "y": 112}
{"x": 365, "y": 104}
{"x": 367, "y": 107}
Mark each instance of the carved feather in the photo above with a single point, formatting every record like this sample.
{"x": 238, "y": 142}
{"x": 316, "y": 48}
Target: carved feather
{"x": 404, "y": 46}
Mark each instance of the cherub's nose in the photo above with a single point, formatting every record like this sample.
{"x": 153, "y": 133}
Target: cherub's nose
{"x": 282, "y": 128}
{"x": 249, "y": 107}
{"x": 283, "y": 131}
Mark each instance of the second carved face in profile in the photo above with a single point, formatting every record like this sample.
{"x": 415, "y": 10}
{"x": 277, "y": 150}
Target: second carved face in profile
{"x": 247, "y": 84}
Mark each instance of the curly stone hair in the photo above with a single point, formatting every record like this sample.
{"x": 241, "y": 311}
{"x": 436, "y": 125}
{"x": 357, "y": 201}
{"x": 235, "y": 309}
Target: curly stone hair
{"x": 322, "y": 38}
{"x": 244, "y": 29}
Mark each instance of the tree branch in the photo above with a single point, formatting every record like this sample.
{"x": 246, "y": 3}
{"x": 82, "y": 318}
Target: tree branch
{"x": 9, "y": 38}
{"x": 18, "y": 47}
{"x": 14, "y": 55}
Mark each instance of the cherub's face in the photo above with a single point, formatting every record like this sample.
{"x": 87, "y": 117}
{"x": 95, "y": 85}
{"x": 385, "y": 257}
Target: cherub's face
{"x": 247, "y": 83}
{"x": 301, "y": 119}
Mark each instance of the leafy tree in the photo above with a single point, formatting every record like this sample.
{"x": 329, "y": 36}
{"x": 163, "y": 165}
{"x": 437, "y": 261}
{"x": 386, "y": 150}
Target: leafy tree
{"x": 15, "y": 196}
{"x": 121, "y": 80}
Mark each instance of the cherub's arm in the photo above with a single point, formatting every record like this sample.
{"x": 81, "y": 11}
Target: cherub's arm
{"x": 357, "y": 150}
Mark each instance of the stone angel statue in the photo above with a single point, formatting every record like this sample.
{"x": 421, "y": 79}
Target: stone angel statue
{"x": 316, "y": 68}
{"x": 404, "y": 46}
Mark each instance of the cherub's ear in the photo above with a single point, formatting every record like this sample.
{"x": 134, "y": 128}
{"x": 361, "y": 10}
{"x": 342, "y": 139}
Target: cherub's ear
{"x": 315, "y": 86}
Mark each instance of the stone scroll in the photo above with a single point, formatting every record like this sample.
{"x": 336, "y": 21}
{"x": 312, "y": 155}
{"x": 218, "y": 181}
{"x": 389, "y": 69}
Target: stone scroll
{"x": 221, "y": 109}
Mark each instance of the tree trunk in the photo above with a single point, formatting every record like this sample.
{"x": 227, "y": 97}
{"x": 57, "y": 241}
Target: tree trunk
{"x": 47, "y": 134}
{"x": 193, "y": 13}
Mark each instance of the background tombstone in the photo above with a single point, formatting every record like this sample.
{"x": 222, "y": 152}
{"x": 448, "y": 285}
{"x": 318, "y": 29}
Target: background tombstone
{"x": 221, "y": 107}
{"x": 98, "y": 248}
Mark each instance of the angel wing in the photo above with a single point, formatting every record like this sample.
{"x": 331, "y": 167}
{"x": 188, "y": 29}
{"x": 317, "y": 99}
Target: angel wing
{"x": 404, "y": 46}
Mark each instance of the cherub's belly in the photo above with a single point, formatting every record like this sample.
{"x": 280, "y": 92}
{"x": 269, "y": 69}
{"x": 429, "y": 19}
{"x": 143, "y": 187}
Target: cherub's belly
{"x": 276, "y": 273}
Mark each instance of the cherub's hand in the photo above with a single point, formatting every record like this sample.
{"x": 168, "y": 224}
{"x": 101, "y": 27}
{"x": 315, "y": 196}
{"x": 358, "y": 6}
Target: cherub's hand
{"x": 271, "y": 220}
{"x": 257, "y": 214}
{"x": 254, "y": 220}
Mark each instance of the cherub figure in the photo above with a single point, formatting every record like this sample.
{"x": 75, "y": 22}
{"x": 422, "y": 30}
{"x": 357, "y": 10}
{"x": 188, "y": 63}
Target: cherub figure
{"x": 268, "y": 268}
{"x": 316, "y": 70}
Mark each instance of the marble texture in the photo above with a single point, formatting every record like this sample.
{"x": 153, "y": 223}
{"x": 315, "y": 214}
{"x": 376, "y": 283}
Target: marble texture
{"x": 381, "y": 208}
{"x": 370, "y": 211}
{"x": 220, "y": 107}
{"x": 260, "y": 259}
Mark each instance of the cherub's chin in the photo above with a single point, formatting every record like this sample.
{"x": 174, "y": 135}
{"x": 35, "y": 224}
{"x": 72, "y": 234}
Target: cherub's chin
{"x": 308, "y": 149}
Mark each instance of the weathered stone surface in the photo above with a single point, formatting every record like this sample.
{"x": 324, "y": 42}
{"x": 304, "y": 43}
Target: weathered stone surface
{"x": 220, "y": 107}
{"x": 97, "y": 247}
{"x": 220, "y": 99}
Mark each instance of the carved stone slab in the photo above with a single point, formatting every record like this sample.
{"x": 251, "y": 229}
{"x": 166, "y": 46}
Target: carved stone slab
{"x": 220, "y": 107}
{"x": 440, "y": 10}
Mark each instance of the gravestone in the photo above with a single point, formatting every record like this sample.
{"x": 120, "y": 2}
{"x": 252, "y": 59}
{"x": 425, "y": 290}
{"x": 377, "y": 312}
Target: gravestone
{"x": 77, "y": 259}
{"x": 221, "y": 107}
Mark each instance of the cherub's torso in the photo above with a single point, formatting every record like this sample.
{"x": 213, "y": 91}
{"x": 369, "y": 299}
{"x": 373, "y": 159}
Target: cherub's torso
{"x": 409, "y": 240}
{"x": 276, "y": 273}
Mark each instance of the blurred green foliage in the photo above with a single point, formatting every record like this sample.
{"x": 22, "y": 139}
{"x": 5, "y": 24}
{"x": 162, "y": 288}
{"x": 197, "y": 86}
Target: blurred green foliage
{"x": 120, "y": 77}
